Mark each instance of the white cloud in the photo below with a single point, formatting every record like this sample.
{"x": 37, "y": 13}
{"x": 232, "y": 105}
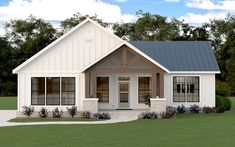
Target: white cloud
{"x": 198, "y": 19}
{"x": 62, "y": 9}
{"x": 120, "y": 0}
{"x": 228, "y": 5}
{"x": 172, "y": 0}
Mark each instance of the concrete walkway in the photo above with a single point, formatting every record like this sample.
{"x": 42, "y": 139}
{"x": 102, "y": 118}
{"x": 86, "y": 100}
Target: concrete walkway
{"x": 116, "y": 117}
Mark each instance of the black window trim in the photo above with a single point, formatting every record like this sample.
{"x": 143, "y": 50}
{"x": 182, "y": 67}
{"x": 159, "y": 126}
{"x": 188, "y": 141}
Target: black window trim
{"x": 186, "y": 99}
{"x": 45, "y": 77}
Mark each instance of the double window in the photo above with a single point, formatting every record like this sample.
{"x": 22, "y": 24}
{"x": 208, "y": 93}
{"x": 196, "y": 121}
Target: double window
{"x": 144, "y": 88}
{"x": 102, "y": 89}
{"x": 53, "y": 91}
{"x": 185, "y": 89}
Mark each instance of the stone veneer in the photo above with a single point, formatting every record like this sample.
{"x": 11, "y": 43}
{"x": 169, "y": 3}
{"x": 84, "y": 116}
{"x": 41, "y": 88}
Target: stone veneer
{"x": 90, "y": 104}
{"x": 158, "y": 104}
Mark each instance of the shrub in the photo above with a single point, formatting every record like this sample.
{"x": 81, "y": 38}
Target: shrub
{"x": 148, "y": 115}
{"x": 43, "y": 113}
{"x": 219, "y": 101}
{"x": 102, "y": 115}
{"x": 147, "y": 100}
{"x": 227, "y": 103}
{"x": 72, "y": 111}
{"x": 28, "y": 110}
{"x": 219, "y": 109}
{"x": 85, "y": 114}
{"x": 56, "y": 113}
{"x": 181, "y": 109}
{"x": 167, "y": 114}
{"x": 207, "y": 109}
{"x": 194, "y": 109}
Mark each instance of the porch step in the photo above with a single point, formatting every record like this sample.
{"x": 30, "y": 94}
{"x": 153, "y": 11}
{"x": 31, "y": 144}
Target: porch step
{"x": 125, "y": 114}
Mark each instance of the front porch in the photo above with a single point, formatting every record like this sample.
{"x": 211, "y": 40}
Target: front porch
{"x": 122, "y": 80}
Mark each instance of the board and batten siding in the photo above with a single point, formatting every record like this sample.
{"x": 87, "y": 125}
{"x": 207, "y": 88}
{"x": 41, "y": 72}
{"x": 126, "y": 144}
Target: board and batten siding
{"x": 66, "y": 59}
{"x": 207, "y": 90}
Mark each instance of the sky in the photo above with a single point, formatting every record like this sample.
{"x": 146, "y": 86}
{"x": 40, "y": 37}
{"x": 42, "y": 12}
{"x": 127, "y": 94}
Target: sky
{"x": 194, "y": 12}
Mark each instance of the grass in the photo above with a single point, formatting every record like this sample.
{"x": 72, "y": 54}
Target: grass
{"x": 33, "y": 119}
{"x": 8, "y": 103}
{"x": 187, "y": 130}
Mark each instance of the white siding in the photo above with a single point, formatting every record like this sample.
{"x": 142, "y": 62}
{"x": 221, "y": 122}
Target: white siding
{"x": 207, "y": 90}
{"x": 74, "y": 52}
{"x": 66, "y": 58}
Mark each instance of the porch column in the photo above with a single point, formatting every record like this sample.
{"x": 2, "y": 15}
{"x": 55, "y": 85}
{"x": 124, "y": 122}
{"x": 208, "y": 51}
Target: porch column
{"x": 161, "y": 85}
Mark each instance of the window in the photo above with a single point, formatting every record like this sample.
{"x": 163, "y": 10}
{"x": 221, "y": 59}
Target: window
{"x": 68, "y": 91}
{"x": 185, "y": 89}
{"x": 38, "y": 91}
{"x": 53, "y": 90}
{"x": 103, "y": 89}
{"x": 144, "y": 88}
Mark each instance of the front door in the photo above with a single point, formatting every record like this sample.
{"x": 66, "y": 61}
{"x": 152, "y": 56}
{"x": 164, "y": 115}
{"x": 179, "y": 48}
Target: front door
{"x": 123, "y": 95}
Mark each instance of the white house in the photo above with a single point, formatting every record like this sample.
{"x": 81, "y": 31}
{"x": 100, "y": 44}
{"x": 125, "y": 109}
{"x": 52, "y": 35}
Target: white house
{"x": 93, "y": 69}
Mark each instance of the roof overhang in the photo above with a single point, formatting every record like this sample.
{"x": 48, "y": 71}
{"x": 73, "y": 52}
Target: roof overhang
{"x": 131, "y": 47}
{"x": 194, "y": 72}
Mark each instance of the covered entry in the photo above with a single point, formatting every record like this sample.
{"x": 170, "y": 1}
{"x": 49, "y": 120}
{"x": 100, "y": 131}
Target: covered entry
{"x": 122, "y": 79}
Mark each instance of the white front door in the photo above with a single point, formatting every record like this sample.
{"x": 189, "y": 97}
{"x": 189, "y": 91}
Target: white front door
{"x": 123, "y": 93}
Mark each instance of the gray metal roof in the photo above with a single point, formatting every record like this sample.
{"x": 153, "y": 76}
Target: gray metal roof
{"x": 180, "y": 55}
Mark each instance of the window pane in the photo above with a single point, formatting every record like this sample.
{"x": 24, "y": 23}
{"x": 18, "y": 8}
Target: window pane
{"x": 38, "y": 91}
{"x": 68, "y": 91}
{"x": 102, "y": 89}
{"x": 193, "y": 89}
{"x": 53, "y": 91}
{"x": 179, "y": 89}
{"x": 144, "y": 84}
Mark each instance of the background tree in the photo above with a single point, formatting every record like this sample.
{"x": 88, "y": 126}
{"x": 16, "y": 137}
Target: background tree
{"x": 7, "y": 79}
{"x": 77, "y": 18}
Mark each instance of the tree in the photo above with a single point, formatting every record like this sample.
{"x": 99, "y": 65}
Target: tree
{"x": 7, "y": 79}
{"x": 29, "y": 36}
{"x": 77, "y": 18}
{"x": 148, "y": 27}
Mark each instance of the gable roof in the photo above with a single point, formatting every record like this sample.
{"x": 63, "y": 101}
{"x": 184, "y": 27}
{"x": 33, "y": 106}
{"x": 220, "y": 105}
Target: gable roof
{"x": 131, "y": 47}
{"x": 181, "y": 56}
{"x": 60, "y": 39}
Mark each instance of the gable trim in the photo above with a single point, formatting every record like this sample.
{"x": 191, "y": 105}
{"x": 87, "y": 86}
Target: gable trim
{"x": 14, "y": 71}
{"x": 131, "y": 47}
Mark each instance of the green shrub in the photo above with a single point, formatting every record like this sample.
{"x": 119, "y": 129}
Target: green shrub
{"x": 72, "y": 111}
{"x": 219, "y": 109}
{"x": 219, "y": 101}
{"x": 56, "y": 113}
{"x": 194, "y": 108}
{"x": 28, "y": 110}
{"x": 167, "y": 114}
{"x": 102, "y": 115}
{"x": 181, "y": 109}
{"x": 147, "y": 100}
{"x": 85, "y": 114}
{"x": 227, "y": 103}
{"x": 148, "y": 115}
{"x": 207, "y": 109}
{"x": 43, "y": 113}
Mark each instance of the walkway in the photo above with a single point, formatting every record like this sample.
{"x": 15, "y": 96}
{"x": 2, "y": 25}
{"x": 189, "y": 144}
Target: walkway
{"x": 116, "y": 117}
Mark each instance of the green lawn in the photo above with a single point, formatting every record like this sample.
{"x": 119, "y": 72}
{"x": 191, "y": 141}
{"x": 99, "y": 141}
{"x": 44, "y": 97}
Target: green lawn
{"x": 31, "y": 119}
{"x": 187, "y": 130}
{"x": 8, "y": 103}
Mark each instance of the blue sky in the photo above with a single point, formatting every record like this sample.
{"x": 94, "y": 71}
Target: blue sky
{"x": 194, "y": 12}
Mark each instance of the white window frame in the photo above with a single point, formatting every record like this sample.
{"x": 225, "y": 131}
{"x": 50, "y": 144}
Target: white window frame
{"x": 183, "y": 75}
